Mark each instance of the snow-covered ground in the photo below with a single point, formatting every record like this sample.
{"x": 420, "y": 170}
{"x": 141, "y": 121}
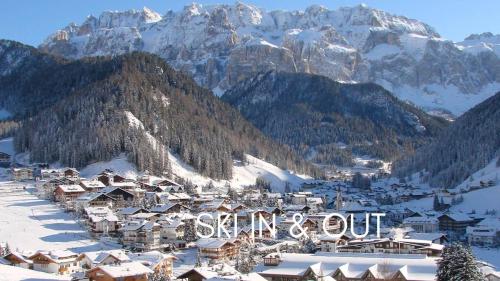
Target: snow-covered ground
{"x": 13, "y": 273}
{"x": 30, "y": 223}
{"x": 119, "y": 165}
{"x": 7, "y": 146}
{"x": 479, "y": 200}
{"x": 489, "y": 255}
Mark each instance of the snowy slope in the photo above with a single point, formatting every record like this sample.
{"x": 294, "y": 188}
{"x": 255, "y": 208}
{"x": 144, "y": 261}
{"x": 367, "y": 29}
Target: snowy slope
{"x": 244, "y": 174}
{"x": 30, "y": 223}
{"x": 478, "y": 200}
{"x": 7, "y": 146}
{"x": 13, "y": 273}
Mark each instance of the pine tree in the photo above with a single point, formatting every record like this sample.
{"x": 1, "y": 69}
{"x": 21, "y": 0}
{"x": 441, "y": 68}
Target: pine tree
{"x": 436, "y": 206}
{"x": 458, "y": 264}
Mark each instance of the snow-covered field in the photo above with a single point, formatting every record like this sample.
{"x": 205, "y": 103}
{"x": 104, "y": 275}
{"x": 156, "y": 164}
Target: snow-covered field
{"x": 30, "y": 223}
{"x": 488, "y": 255}
{"x": 13, "y": 273}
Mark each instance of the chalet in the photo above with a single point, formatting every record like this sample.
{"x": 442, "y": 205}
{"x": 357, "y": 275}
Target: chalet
{"x": 486, "y": 233}
{"x": 218, "y": 272}
{"x": 218, "y": 205}
{"x": 330, "y": 244}
{"x": 126, "y": 213}
{"x": 148, "y": 216}
{"x": 122, "y": 197}
{"x": 422, "y": 224}
{"x": 456, "y": 223}
{"x": 46, "y": 187}
{"x": 59, "y": 262}
{"x": 67, "y": 194}
{"x": 133, "y": 271}
{"x": 71, "y": 173}
{"x": 47, "y": 174}
{"x": 159, "y": 263}
{"x": 169, "y": 208}
{"x": 20, "y": 174}
{"x": 141, "y": 235}
{"x": 392, "y": 246}
{"x": 347, "y": 267}
{"x": 19, "y": 259}
{"x": 101, "y": 220}
{"x": 89, "y": 260}
{"x": 217, "y": 249}
{"x": 178, "y": 197}
{"x": 92, "y": 185}
{"x": 437, "y": 238}
{"x": 4, "y": 160}
{"x": 172, "y": 232}
{"x": 94, "y": 200}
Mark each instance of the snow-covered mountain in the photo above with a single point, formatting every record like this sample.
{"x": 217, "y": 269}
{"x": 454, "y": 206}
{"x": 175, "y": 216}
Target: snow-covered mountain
{"x": 223, "y": 44}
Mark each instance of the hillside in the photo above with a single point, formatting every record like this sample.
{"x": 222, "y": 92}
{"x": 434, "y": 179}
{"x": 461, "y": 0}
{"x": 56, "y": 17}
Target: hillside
{"x": 106, "y": 106}
{"x": 330, "y": 121}
{"x": 466, "y": 146}
{"x": 221, "y": 45}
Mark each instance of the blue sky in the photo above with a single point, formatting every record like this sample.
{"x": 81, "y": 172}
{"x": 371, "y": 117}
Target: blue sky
{"x": 31, "y": 21}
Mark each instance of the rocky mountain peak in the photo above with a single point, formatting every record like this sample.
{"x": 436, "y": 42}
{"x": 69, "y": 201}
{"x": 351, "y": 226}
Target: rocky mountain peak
{"x": 221, "y": 45}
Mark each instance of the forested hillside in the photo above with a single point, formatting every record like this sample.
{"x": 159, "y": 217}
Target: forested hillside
{"x": 466, "y": 146}
{"x": 330, "y": 121}
{"x": 92, "y": 109}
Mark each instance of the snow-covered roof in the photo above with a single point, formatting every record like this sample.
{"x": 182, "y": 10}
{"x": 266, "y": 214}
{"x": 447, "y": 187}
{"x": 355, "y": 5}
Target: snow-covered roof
{"x": 150, "y": 259}
{"x": 414, "y": 267}
{"x": 70, "y": 188}
{"x": 125, "y": 269}
{"x": 211, "y": 243}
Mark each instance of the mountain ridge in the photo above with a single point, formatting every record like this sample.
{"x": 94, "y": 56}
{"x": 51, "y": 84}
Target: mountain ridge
{"x": 313, "y": 113}
{"x": 221, "y": 45}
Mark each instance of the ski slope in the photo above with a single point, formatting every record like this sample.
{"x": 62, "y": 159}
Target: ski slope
{"x": 28, "y": 223}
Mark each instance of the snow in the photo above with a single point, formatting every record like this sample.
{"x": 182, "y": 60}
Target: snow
{"x": 479, "y": 200}
{"x": 4, "y": 114}
{"x": 488, "y": 255}
{"x": 7, "y": 146}
{"x": 119, "y": 165}
{"x": 30, "y": 223}
{"x": 13, "y": 273}
{"x": 243, "y": 174}
{"x": 436, "y": 96}
{"x": 133, "y": 121}
{"x": 381, "y": 51}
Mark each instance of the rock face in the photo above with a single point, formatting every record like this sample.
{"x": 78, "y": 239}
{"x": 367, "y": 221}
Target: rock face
{"x": 224, "y": 44}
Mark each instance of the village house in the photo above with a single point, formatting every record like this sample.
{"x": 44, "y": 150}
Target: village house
{"x": 123, "y": 198}
{"x": 141, "y": 235}
{"x": 328, "y": 243}
{"x": 126, "y": 213}
{"x": 172, "y": 232}
{"x": 67, "y": 195}
{"x": 423, "y": 224}
{"x": 20, "y": 174}
{"x": 392, "y": 246}
{"x": 455, "y": 223}
{"x": 218, "y": 272}
{"x": 89, "y": 260}
{"x": 169, "y": 208}
{"x": 92, "y": 185}
{"x": 4, "y": 160}
{"x": 101, "y": 220}
{"x": 129, "y": 271}
{"x": 217, "y": 249}
{"x": 59, "y": 262}
{"x": 485, "y": 233}
{"x": 19, "y": 259}
{"x": 94, "y": 200}
{"x": 347, "y": 267}
{"x": 159, "y": 263}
